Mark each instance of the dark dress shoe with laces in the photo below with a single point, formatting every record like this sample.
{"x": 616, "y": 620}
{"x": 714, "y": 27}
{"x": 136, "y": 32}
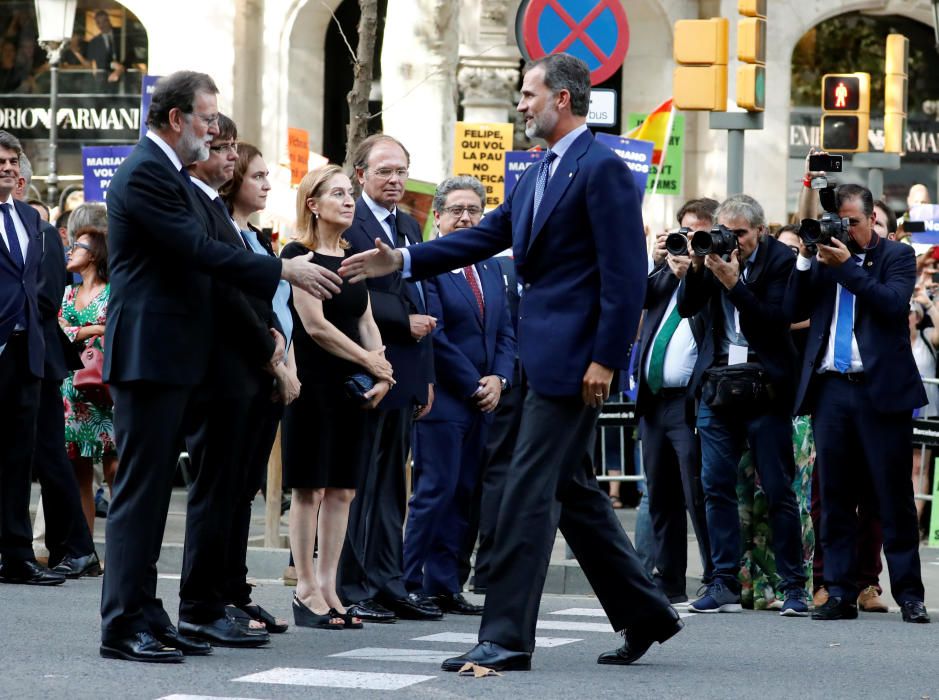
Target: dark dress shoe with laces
{"x": 836, "y": 608}
{"x": 79, "y": 567}
{"x": 416, "y": 606}
{"x": 142, "y": 646}
{"x": 638, "y": 639}
{"x": 914, "y": 611}
{"x": 371, "y": 611}
{"x": 189, "y": 646}
{"x": 225, "y": 632}
{"x": 490, "y": 655}
{"x": 29, "y": 573}
{"x": 458, "y": 605}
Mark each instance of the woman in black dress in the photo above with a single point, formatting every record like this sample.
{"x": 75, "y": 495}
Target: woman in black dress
{"x": 327, "y": 436}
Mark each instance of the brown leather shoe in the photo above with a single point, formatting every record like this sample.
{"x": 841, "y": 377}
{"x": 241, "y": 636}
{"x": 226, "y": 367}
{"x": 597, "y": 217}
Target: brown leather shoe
{"x": 869, "y": 600}
{"x": 820, "y": 597}
{"x": 290, "y": 576}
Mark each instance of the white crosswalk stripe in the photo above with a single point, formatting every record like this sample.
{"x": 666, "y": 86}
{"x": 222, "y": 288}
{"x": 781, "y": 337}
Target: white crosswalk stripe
{"x": 326, "y": 678}
{"x": 418, "y": 656}
{"x": 471, "y": 638}
{"x": 178, "y": 696}
{"x": 581, "y": 612}
{"x": 572, "y": 626}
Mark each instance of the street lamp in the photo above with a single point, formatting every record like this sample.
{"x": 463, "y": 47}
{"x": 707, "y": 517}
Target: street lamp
{"x": 935, "y": 21}
{"x": 55, "y": 19}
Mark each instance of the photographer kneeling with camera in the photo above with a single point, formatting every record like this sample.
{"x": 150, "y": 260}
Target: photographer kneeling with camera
{"x": 860, "y": 385}
{"x": 744, "y": 376}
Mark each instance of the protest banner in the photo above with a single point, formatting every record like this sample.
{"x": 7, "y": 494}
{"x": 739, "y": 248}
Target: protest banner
{"x": 146, "y": 95}
{"x": 99, "y": 163}
{"x": 516, "y": 163}
{"x": 298, "y": 152}
{"x": 669, "y": 179}
{"x": 479, "y": 150}
{"x": 635, "y": 153}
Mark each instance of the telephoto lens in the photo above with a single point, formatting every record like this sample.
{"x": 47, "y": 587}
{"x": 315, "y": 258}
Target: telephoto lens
{"x": 677, "y": 243}
{"x": 720, "y": 240}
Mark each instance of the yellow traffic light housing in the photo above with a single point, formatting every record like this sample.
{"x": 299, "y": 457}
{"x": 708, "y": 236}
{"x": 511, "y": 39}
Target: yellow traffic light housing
{"x": 701, "y": 51}
{"x": 751, "y": 52}
{"x": 895, "y": 93}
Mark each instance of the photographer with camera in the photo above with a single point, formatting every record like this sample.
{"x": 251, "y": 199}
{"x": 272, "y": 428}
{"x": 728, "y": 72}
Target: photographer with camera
{"x": 744, "y": 372}
{"x": 860, "y": 384}
{"x": 670, "y": 453}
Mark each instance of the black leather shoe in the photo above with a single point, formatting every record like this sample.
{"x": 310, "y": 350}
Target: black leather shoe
{"x": 371, "y": 611}
{"x": 455, "y": 603}
{"x": 29, "y": 573}
{"x": 142, "y": 646}
{"x": 225, "y": 632}
{"x": 79, "y": 567}
{"x": 171, "y": 637}
{"x": 914, "y": 611}
{"x": 490, "y": 655}
{"x": 836, "y": 608}
{"x": 639, "y": 638}
{"x": 416, "y": 606}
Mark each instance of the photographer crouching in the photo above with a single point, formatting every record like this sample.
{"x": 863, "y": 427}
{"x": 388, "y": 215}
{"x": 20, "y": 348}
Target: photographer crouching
{"x": 860, "y": 384}
{"x": 744, "y": 377}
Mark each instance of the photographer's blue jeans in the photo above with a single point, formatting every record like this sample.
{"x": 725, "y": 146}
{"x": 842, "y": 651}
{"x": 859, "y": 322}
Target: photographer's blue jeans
{"x": 724, "y": 437}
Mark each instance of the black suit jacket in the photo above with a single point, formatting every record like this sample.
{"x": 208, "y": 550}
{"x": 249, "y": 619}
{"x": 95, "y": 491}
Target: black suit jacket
{"x": 763, "y": 320}
{"x": 882, "y": 287}
{"x": 15, "y": 281}
{"x": 393, "y": 299}
{"x": 60, "y": 357}
{"x": 102, "y": 56}
{"x": 159, "y": 325}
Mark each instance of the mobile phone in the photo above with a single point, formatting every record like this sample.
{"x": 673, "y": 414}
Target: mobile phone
{"x": 914, "y": 226}
{"x": 824, "y": 162}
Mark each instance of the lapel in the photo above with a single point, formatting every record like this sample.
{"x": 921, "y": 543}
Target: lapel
{"x": 762, "y": 253}
{"x": 563, "y": 176}
{"x": 369, "y": 223}
{"x": 493, "y": 291}
{"x": 460, "y": 282}
{"x": 33, "y": 235}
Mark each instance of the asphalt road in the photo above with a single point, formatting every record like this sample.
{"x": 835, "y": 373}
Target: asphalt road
{"x": 49, "y": 649}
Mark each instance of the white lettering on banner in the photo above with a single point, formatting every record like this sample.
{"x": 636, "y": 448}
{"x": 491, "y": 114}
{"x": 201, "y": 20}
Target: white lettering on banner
{"x": 80, "y": 118}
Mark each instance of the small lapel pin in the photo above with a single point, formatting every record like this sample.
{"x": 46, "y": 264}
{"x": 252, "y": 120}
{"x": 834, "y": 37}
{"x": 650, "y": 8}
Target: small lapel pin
{"x": 869, "y": 263}
{"x": 570, "y": 174}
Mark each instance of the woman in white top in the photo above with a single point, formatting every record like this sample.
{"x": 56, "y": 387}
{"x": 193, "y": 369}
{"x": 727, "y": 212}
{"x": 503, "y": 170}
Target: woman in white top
{"x": 925, "y": 342}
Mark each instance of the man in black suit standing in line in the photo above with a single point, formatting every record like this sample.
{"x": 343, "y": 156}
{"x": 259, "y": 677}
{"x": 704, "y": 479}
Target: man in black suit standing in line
{"x": 104, "y": 52}
{"x": 370, "y": 572}
{"x": 22, "y": 353}
{"x": 860, "y": 384}
{"x": 157, "y": 343}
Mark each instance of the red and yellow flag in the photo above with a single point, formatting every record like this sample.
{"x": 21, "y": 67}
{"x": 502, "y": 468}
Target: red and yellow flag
{"x": 657, "y": 128}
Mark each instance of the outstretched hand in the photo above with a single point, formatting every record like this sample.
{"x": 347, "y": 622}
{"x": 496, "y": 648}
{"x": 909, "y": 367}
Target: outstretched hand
{"x": 381, "y": 261}
{"x": 309, "y": 276}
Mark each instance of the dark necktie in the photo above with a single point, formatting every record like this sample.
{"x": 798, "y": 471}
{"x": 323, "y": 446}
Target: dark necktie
{"x": 392, "y": 222}
{"x": 220, "y": 205}
{"x": 656, "y": 374}
{"x": 544, "y": 172}
{"x": 13, "y": 240}
{"x": 474, "y": 286}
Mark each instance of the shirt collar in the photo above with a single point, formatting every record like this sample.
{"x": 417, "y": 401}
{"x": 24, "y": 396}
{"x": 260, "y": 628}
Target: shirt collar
{"x": 560, "y": 148}
{"x": 209, "y": 192}
{"x": 166, "y": 148}
{"x": 377, "y": 209}
{"x": 9, "y": 200}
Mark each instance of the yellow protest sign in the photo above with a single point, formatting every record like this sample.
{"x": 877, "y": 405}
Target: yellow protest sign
{"x": 479, "y": 150}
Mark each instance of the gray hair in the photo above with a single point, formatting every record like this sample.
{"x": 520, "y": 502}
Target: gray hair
{"x": 26, "y": 169}
{"x": 10, "y": 142}
{"x": 92, "y": 214}
{"x": 177, "y": 91}
{"x": 458, "y": 182}
{"x": 565, "y": 72}
{"x": 742, "y": 206}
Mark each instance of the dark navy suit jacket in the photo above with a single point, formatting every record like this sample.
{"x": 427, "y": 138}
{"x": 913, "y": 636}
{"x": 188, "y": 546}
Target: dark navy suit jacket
{"x": 882, "y": 287}
{"x": 159, "y": 325}
{"x": 61, "y": 356}
{"x": 15, "y": 281}
{"x": 468, "y": 346}
{"x": 582, "y": 263}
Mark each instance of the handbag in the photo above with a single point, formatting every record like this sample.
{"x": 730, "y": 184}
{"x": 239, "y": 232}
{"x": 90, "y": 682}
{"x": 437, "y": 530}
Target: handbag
{"x": 357, "y": 385}
{"x": 739, "y": 387}
{"x": 88, "y": 379}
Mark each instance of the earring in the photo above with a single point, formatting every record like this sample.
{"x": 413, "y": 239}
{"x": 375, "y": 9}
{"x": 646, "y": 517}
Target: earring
{"x": 316, "y": 215}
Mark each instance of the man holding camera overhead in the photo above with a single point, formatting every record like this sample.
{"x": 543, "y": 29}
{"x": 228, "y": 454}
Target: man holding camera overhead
{"x": 860, "y": 384}
{"x": 744, "y": 376}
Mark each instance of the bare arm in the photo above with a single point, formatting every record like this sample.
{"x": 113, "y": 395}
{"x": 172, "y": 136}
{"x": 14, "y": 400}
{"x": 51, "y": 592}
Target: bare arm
{"x": 368, "y": 330}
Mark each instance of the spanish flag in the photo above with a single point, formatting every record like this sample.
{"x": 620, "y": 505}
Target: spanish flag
{"x": 657, "y": 128}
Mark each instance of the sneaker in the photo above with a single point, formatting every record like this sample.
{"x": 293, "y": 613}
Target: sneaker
{"x": 820, "y": 597}
{"x": 794, "y": 605}
{"x": 869, "y": 600}
{"x": 718, "y": 599}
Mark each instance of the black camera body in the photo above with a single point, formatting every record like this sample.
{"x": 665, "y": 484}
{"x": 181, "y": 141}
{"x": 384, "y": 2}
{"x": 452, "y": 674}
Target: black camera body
{"x": 677, "y": 243}
{"x": 720, "y": 240}
{"x": 826, "y": 228}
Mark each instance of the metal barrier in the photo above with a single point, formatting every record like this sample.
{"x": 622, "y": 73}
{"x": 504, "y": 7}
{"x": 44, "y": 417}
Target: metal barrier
{"x": 616, "y": 418}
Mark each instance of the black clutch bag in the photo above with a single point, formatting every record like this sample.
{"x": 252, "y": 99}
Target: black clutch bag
{"x": 357, "y": 385}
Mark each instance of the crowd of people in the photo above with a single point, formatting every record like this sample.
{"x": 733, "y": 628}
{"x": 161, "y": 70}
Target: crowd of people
{"x": 172, "y": 322}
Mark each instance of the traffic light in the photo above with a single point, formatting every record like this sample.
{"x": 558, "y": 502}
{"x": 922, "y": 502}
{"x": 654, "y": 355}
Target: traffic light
{"x": 895, "y": 93}
{"x": 751, "y": 51}
{"x": 846, "y": 106}
{"x": 700, "y": 78}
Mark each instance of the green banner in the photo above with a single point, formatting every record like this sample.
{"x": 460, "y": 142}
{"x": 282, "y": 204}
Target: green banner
{"x": 934, "y": 518}
{"x": 670, "y": 178}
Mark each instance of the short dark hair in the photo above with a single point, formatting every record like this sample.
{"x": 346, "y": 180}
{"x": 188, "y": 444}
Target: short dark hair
{"x": 851, "y": 191}
{"x": 62, "y": 221}
{"x": 788, "y": 228}
{"x": 891, "y": 217}
{"x": 702, "y": 208}
{"x": 362, "y": 152}
{"x": 11, "y": 143}
{"x": 226, "y": 128}
{"x": 98, "y": 242}
{"x": 565, "y": 72}
{"x": 177, "y": 91}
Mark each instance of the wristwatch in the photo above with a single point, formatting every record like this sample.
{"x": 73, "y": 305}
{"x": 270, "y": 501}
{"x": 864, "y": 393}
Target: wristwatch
{"x": 504, "y": 382}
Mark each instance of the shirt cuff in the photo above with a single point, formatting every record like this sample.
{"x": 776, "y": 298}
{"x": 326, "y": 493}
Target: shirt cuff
{"x": 406, "y": 264}
{"x": 803, "y": 264}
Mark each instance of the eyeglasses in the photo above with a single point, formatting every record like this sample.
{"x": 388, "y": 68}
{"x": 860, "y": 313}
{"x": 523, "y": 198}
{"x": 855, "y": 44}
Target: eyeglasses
{"x": 456, "y": 211}
{"x": 208, "y": 120}
{"x": 222, "y": 147}
{"x": 386, "y": 173}
{"x": 75, "y": 246}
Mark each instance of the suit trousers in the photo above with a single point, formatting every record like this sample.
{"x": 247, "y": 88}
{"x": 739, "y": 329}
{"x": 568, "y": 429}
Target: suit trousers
{"x": 551, "y": 484}
{"x": 446, "y": 463}
{"x": 218, "y": 447}
{"x": 371, "y": 561}
{"x": 19, "y": 409}
{"x": 672, "y": 461}
{"x": 724, "y": 435}
{"x": 150, "y": 420}
{"x": 67, "y": 532}
{"x": 849, "y": 437}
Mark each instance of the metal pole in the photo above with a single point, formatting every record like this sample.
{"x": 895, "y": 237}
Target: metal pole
{"x": 734, "y": 161}
{"x": 875, "y": 182}
{"x": 54, "y": 49}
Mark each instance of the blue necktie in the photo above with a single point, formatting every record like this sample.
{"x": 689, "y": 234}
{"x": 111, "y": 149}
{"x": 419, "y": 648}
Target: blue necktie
{"x": 14, "y": 240}
{"x": 392, "y": 222}
{"x": 544, "y": 171}
{"x": 844, "y": 328}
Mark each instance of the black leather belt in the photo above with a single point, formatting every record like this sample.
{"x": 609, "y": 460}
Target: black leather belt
{"x": 672, "y": 392}
{"x": 853, "y": 377}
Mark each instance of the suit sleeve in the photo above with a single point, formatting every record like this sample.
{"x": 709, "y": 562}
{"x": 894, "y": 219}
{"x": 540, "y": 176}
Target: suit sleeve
{"x": 464, "y": 247}
{"x": 887, "y": 299}
{"x": 391, "y": 314}
{"x": 51, "y": 274}
{"x": 457, "y": 373}
{"x": 801, "y": 296}
{"x": 506, "y": 345}
{"x": 768, "y": 310}
{"x": 695, "y": 291}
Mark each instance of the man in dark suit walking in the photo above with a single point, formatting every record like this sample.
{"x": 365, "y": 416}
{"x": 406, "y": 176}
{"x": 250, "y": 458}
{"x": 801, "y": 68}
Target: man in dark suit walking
{"x": 474, "y": 354}
{"x": 22, "y": 353}
{"x": 157, "y": 343}
{"x": 370, "y": 571}
{"x": 575, "y": 226}
{"x": 860, "y": 384}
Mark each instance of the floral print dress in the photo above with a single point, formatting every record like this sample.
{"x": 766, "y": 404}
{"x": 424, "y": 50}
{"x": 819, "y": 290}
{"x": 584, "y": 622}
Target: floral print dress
{"x": 89, "y": 428}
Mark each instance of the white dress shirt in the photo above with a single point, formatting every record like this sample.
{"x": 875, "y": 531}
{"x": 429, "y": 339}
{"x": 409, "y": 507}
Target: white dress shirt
{"x": 20, "y": 227}
{"x": 382, "y": 214}
{"x": 167, "y": 149}
{"x": 681, "y": 353}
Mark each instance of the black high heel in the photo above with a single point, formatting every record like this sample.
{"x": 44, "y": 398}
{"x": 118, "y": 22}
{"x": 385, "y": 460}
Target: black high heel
{"x": 304, "y": 617}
